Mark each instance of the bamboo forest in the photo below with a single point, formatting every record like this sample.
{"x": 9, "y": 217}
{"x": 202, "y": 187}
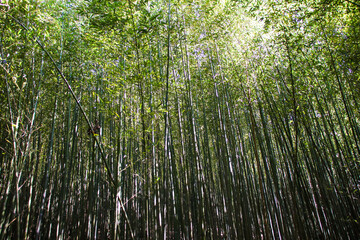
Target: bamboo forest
{"x": 180, "y": 119}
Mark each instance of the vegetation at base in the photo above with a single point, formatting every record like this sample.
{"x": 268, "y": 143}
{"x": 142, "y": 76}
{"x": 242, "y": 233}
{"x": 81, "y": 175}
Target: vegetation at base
{"x": 179, "y": 119}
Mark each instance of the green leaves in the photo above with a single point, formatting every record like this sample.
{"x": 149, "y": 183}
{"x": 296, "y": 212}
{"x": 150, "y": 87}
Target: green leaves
{"x": 218, "y": 118}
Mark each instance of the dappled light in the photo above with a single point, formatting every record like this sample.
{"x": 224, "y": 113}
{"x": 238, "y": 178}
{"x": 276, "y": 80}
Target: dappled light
{"x": 150, "y": 119}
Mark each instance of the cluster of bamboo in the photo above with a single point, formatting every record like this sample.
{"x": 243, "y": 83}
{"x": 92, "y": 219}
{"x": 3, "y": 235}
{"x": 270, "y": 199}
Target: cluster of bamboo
{"x": 198, "y": 140}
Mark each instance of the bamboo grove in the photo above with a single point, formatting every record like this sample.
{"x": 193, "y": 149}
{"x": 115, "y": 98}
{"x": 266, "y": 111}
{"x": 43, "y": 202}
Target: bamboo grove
{"x": 179, "y": 119}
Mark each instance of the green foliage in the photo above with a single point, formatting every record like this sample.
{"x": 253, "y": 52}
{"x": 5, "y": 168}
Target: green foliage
{"x": 215, "y": 119}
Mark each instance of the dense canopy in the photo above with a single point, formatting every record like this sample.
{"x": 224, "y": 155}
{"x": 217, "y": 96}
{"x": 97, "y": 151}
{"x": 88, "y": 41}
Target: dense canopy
{"x": 179, "y": 119}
